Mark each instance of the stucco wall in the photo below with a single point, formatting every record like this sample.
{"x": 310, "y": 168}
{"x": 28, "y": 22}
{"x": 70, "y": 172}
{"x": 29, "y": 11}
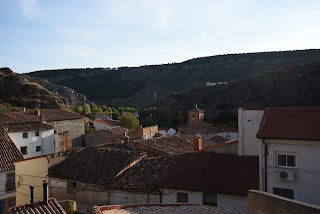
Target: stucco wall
{"x": 45, "y": 140}
{"x": 236, "y": 203}
{"x": 3, "y": 181}
{"x": 264, "y": 203}
{"x": 249, "y": 123}
{"x": 99, "y": 126}
{"x": 30, "y": 172}
{"x": 307, "y": 173}
{"x": 75, "y": 128}
{"x": 87, "y": 195}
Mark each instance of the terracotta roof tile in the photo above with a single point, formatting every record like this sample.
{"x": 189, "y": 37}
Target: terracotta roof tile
{"x": 8, "y": 152}
{"x": 301, "y": 123}
{"x": 118, "y": 130}
{"x": 23, "y": 126}
{"x": 222, "y": 173}
{"x": 96, "y": 164}
{"x": 49, "y": 115}
{"x": 52, "y": 207}
{"x": 221, "y": 144}
{"x": 161, "y": 208}
{"x": 144, "y": 174}
{"x": 111, "y": 123}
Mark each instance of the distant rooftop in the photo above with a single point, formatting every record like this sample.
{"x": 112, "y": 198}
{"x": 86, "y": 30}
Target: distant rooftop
{"x": 52, "y": 207}
{"x": 24, "y": 126}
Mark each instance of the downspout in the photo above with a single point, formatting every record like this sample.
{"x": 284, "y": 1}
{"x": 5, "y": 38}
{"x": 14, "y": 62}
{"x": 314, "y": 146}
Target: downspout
{"x": 265, "y": 166}
{"x": 160, "y": 195}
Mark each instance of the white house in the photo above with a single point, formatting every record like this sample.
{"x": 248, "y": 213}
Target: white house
{"x": 8, "y": 155}
{"x": 209, "y": 178}
{"x": 33, "y": 138}
{"x": 287, "y": 142}
{"x": 167, "y": 131}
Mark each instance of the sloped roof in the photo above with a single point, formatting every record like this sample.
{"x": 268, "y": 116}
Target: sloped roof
{"x": 117, "y": 130}
{"x": 221, "y": 144}
{"x": 171, "y": 145}
{"x": 24, "y": 126}
{"x": 96, "y": 164}
{"x": 49, "y": 115}
{"x": 9, "y": 153}
{"x": 221, "y": 173}
{"x": 52, "y": 207}
{"x": 161, "y": 208}
{"x": 144, "y": 175}
{"x": 196, "y": 109}
{"x": 111, "y": 123}
{"x": 300, "y": 123}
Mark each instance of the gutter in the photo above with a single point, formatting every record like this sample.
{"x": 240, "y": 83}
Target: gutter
{"x": 265, "y": 166}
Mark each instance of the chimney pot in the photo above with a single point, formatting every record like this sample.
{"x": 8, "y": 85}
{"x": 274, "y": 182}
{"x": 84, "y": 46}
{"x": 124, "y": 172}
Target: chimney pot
{"x": 197, "y": 142}
{"x": 45, "y": 191}
{"x": 31, "y": 196}
{"x": 37, "y": 112}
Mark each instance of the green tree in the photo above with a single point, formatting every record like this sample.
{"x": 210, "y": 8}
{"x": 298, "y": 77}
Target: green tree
{"x": 129, "y": 122}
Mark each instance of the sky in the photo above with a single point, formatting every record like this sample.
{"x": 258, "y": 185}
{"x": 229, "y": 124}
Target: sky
{"x": 44, "y": 34}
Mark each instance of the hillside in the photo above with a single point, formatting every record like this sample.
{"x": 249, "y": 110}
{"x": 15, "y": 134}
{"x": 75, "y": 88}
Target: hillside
{"x": 135, "y": 86}
{"x": 17, "y": 92}
{"x": 295, "y": 86}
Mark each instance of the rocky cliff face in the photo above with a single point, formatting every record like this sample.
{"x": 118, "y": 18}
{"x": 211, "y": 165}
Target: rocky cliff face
{"x": 295, "y": 86}
{"x": 15, "y": 90}
{"x": 73, "y": 99}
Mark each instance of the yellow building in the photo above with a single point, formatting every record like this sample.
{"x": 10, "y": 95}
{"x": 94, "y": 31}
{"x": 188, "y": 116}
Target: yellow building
{"x": 32, "y": 172}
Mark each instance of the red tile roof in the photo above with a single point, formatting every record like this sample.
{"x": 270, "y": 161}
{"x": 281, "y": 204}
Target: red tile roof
{"x": 144, "y": 175}
{"x": 300, "y": 123}
{"x": 24, "y": 126}
{"x": 221, "y": 173}
{"x": 96, "y": 164}
{"x": 221, "y": 144}
{"x": 117, "y": 130}
{"x": 49, "y": 115}
{"x": 52, "y": 206}
{"x": 161, "y": 208}
{"x": 172, "y": 145}
{"x": 111, "y": 123}
{"x": 8, "y": 152}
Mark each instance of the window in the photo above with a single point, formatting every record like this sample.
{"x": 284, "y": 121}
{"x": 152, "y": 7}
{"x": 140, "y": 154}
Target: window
{"x": 182, "y": 197}
{"x": 210, "y": 198}
{"x": 10, "y": 185}
{"x": 25, "y": 135}
{"x": 38, "y": 149}
{"x": 288, "y": 193}
{"x": 37, "y": 133}
{"x": 24, "y": 150}
{"x": 286, "y": 160}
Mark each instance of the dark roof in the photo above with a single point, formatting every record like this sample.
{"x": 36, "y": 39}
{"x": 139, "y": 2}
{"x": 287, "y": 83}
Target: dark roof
{"x": 221, "y": 173}
{"x": 172, "y": 145}
{"x": 301, "y": 123}
{"x": 161, "y": 208}
{"x": 52, "y": 207}
{"x": 8, "y": 152}
{"x": 117, "y": 130}
{"x": 96, "y": 164}
{"x": 218, "y": 139}
{"x": 144, "y": 174}
{"x": 24, "y": 126}
{"x": 196, "y": 109}
{"x": 49, "y": 115}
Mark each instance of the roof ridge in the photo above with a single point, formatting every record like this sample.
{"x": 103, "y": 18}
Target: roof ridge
{"x": 202, "y": 168}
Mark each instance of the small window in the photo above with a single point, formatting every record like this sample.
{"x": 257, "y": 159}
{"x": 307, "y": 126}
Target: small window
{"x": 210, "y": 198}
{"x": 25, "y": 135}
{"x": 286, "y": 160}
{"x": 37, "y": 133}
{"x": 38, "y": 149}
{"x": 288, "y": 193}
{"x": 24, "y": 150}
{"x": 182, "y": 197}
{"x": 10, "y": 185}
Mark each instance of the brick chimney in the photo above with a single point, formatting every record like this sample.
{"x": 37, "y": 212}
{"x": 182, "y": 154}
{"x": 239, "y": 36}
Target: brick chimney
{"x": 197, "y": 142}
{"x": 37, "y": 112}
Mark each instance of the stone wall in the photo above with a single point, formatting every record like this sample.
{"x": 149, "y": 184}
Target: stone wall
{"x": 263, "y": 203}
{"x": 99, "y": 137}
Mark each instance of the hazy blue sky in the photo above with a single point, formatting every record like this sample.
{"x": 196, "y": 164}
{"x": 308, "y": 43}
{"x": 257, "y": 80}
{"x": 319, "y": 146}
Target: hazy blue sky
{"x": 52, "y": 34}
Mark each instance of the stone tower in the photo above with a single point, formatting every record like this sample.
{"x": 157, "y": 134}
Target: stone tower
{"x": 196, "y": 117}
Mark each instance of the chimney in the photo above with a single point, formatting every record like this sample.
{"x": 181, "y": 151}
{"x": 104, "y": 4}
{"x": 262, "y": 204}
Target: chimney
{"x": 197, "y": 142}
{"x": 37, "y": 112}
{"x": 31, "y": 196}
{"x": 24, "y": 109}
{"x": 139, "y": 127}
{"x": 41, "y": 119}
{"x": 45, "y": 191}
{"x": 6, "y": 134}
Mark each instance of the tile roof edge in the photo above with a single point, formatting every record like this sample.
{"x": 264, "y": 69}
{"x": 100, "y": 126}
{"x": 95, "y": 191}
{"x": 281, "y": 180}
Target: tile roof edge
{"x": 117, "y": 207}
{"x": 263, "y": 121}
{"x": 221, "y": 145}
{"x": 26, "y": 159}
{"x": 202, "y": 168}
